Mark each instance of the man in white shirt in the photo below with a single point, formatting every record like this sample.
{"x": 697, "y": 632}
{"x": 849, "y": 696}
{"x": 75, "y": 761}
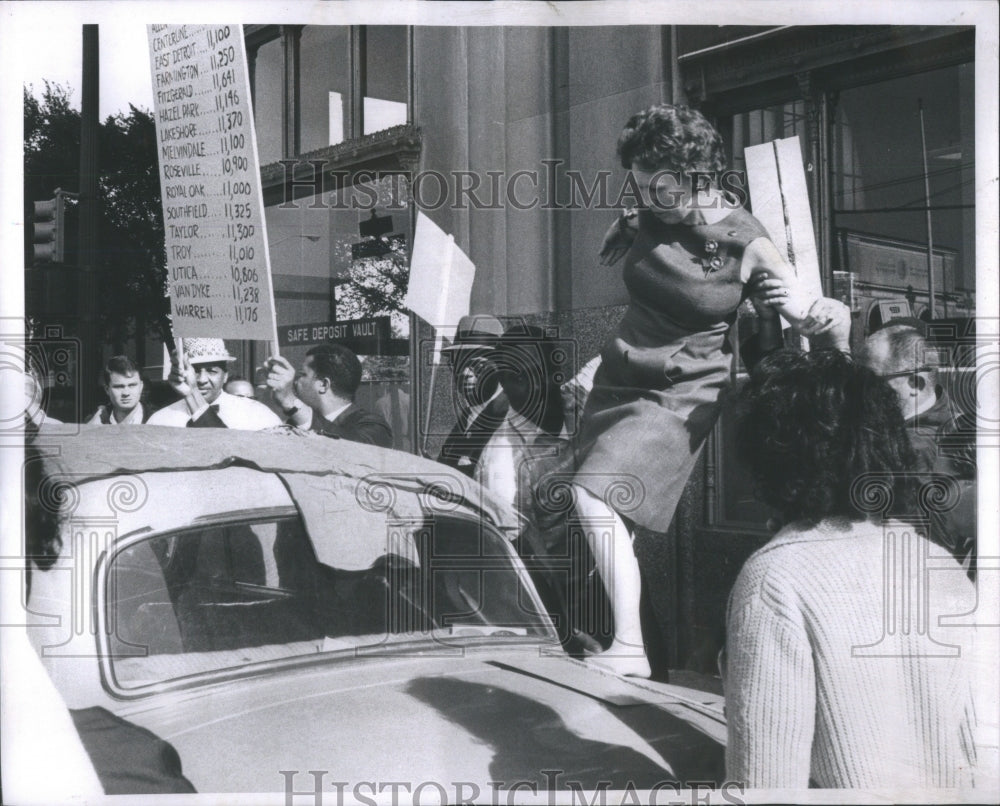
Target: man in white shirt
{"x": 199, "y": 375}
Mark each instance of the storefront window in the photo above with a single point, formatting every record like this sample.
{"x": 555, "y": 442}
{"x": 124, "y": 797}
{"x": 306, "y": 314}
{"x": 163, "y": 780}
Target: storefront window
{"x": 325, "y": 86}
{"x": 879, "y": 200}
{"x": 763, "y": 125}
{"x": 878, "y": 215}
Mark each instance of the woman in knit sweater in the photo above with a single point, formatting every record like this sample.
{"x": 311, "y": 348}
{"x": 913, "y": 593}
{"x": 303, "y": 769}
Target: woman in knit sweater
{"x": 838, "y": 671}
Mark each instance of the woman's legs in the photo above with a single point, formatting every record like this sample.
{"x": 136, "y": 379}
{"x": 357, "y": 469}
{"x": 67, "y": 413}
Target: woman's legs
{"x": 611, "y": 544}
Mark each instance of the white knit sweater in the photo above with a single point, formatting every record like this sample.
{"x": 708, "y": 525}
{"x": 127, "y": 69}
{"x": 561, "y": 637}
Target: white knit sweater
{"x": 838, "y": 671}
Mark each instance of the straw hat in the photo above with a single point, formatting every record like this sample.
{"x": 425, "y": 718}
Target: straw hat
{"x": 207, "y": 351}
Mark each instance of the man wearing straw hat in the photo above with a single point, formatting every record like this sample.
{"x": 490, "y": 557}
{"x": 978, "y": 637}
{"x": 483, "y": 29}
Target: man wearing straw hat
{"x": 480, "y": 404}
{"x": 199, "y": 375}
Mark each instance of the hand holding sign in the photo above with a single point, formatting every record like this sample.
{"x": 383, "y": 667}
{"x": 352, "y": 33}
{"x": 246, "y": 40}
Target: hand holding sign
{"x": 281, "y": 381}
{"x": 766, "y": 292}
{"x": 781, "y": 203}
{"x": 183, "y": 379}
{"x": 181, "y": 376}
{"x": 830, "y": 320}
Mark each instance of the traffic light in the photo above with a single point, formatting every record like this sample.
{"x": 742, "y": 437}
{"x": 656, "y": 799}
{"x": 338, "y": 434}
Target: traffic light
{"x": 49, "y": 228}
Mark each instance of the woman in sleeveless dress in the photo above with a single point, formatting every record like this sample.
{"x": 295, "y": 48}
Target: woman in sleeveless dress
{"x": 691, "y": 252}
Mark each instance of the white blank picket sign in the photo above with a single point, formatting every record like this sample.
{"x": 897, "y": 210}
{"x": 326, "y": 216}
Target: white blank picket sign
{"x": 441, "y": 277}
{"x": 781, "y": 203}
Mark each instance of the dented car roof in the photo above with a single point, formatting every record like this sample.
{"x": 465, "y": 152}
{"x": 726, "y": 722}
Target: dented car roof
{"x": 329, "y": 480}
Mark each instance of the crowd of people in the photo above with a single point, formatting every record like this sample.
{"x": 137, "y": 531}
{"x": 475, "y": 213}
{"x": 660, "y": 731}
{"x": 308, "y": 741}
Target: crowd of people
{"x": 806, "y": 702}
{"x": 318, "y": 398}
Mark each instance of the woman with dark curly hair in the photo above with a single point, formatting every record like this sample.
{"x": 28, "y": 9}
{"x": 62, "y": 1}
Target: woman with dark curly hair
{"x": 691, "y": 254}
{"x": 837, "y": 672}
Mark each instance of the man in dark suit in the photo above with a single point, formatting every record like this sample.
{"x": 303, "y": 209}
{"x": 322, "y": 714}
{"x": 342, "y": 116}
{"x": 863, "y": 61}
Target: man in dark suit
{"x": 320, "y": 396}
{"x": 480, "y": 404}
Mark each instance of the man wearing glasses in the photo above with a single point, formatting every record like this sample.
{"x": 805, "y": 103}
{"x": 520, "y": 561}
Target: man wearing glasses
{"x": 943, "y": 436}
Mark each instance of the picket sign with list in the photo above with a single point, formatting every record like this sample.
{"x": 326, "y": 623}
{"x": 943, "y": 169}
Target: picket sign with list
{"x": 218, "y": 267}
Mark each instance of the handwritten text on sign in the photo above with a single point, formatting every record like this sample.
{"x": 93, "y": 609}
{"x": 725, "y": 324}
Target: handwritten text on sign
{"x": 213, "y": 213}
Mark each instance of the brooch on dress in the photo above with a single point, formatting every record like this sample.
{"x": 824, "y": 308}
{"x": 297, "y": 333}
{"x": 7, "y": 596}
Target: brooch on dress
{"x": 712, "y": 261}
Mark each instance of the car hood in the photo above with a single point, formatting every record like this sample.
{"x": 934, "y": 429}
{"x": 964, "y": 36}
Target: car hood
{"x": 367, "y": 726}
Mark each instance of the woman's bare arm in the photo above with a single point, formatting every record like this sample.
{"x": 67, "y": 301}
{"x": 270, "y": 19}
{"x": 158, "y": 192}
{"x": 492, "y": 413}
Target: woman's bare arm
{"x": 760, "y": 256}
{"x": 827, "y": 322}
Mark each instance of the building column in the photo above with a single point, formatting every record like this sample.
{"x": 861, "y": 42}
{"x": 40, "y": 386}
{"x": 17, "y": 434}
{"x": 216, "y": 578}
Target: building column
{"x": 560, "y": 285}
{"x": 291, "y": 37}
{"x": 359, "y": 80}
{"x": 672, "y": 81}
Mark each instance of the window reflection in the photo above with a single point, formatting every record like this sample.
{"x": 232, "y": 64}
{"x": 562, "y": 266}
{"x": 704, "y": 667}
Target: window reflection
{"x": 386, "y": 75}
{"x": 325, "y": 86}
{"x": 268, "y": 100}
{"x": 878, "y": 183}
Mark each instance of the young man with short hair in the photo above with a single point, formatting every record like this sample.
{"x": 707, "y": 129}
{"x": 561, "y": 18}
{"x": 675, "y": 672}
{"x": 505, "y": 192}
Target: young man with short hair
{"x": 123, "y": 385}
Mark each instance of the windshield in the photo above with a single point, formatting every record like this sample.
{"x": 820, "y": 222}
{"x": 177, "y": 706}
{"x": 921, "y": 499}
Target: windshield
{"x": 228, "y": 595}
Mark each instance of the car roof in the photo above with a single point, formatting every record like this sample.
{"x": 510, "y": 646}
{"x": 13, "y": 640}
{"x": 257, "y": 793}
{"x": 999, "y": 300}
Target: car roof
{"x": 114, "y": 449}
{"x": 354, "y": 484}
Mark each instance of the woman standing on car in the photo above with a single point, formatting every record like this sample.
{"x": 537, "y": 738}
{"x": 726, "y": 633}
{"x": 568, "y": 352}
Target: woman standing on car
{"x": 689, "y": 254}
{"x": 839, "y": 670}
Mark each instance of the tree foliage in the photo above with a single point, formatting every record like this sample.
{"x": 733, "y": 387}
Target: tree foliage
{"x": 374, "y": 286}
{"x": 132, "y": 263}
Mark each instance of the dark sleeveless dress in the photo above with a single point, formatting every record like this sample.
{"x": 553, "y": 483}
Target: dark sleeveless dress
{"x": 657, "y": 392}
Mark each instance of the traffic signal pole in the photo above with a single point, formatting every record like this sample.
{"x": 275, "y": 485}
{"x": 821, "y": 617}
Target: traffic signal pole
{"x": 90, "y": 348}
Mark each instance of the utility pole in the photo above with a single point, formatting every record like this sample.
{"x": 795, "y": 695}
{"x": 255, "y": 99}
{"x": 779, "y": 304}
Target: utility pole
{"x": 930, "y": 231}
{"x": 90, "y": 350}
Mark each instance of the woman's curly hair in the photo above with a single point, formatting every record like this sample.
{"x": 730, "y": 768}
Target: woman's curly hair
{"x": 811, "y": 424}
{"x": 668, "y": 137}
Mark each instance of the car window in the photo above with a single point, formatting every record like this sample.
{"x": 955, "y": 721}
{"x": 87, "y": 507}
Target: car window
{"x": 227, "y": 595}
